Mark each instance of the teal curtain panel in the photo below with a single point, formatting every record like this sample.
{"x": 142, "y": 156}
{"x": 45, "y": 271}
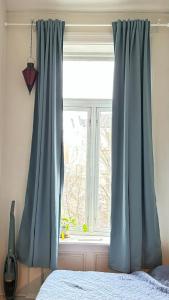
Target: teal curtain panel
{"x": 38, "y": 238}
{"x": 135, "y": 238}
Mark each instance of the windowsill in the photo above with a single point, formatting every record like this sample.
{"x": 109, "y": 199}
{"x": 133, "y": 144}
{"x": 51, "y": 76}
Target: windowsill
{"x": 86, "y": 240}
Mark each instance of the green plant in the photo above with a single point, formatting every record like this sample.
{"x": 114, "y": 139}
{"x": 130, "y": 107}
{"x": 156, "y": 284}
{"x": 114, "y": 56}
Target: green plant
{"x": 85, "y": 228}
{"x": 67, "y": 223}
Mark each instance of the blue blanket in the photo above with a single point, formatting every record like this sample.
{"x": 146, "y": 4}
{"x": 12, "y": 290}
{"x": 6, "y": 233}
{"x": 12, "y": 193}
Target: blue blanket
{"x": 71, "y": 285}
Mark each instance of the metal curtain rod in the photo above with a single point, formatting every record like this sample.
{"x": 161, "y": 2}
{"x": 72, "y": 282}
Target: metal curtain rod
{"x": 82, "y": 25}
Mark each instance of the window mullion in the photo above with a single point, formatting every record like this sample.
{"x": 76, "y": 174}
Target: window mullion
{"x": 93, "y": 167}
{"x": 96, "y": 165}
{"x": 90, "y": 170}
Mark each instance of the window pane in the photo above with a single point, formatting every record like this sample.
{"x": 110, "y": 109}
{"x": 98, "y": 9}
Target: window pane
{"x": 104, "y": 180}
{"x": 88, "y": 79}
{"x": 75, "y": 150}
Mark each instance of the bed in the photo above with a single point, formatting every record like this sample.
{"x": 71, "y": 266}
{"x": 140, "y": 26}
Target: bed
{"x": 76, "y": 285}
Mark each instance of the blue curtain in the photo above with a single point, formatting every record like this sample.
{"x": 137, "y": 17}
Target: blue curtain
{"x": 39, "y": 231}
{"x": 135, "y": 238}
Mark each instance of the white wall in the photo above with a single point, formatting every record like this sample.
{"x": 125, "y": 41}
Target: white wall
{"x": 18, "y": 114}
{"x": 2, "y": 97}
{"x": 2, "y": 69}
{"x": 160, "y": 114}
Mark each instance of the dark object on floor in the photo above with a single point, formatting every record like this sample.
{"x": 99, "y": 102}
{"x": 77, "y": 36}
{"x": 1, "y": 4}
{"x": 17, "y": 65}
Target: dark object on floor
{"x": 161, "y": 273}
{"x": 10, "y": 267}
{"x": 30, "y": 75}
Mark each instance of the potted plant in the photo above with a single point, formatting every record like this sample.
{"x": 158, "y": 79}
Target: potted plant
{"x": 68, "y": 223}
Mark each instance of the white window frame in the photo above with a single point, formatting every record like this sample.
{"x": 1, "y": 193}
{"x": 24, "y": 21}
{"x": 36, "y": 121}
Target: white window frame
{"x": 96, "y": 167}
{"x": 93, "y": 107}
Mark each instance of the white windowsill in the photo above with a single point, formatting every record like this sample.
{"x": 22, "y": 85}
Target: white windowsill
{"x": 86, "y": 240}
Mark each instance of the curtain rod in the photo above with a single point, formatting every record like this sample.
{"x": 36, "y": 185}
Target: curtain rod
{"x": 82, "y": 25}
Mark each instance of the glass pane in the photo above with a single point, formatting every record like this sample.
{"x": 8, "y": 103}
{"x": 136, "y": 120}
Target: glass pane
{"x": 88, "y": 79}
{"x": 75, "y": 151}
{"x": 104, "y": 180}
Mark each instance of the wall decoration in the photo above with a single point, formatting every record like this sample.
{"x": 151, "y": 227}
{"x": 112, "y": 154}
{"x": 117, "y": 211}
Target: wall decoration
{"x": 30, "y": 73}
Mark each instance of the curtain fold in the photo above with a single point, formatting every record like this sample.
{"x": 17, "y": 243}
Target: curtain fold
{"x": 38, "y": 238}
{"x": 135, "y": 237}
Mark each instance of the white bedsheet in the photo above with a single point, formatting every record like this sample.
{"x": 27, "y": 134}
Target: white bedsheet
{"x": 70, "y": 285}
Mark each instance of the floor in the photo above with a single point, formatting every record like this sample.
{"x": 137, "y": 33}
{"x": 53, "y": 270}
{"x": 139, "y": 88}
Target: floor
{"x": 17, "y": 298}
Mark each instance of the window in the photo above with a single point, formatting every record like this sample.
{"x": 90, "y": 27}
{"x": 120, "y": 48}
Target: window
{"x": 75, "y": 156}
{"x": 88, "y": 79}
{"x": 103, "y": 177}
{"x": 87, "y": 144}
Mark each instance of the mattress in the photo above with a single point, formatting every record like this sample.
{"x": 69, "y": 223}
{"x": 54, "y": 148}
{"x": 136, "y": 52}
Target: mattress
{"x": 75, "y": 285}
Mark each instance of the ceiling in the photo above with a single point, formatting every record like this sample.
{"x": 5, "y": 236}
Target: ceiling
{"x": 90, "y": 5}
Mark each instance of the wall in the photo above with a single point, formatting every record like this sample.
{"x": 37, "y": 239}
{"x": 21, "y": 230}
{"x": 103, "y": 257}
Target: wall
{"x": 160, "y": 113}
{"x": 18, "y": 113}
{"x": 2, "y": 69}
{"x": 2, "y": 48}
{"x": 2, "y": 97}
